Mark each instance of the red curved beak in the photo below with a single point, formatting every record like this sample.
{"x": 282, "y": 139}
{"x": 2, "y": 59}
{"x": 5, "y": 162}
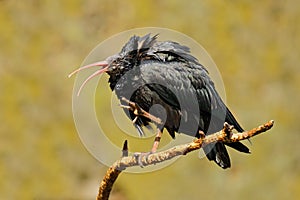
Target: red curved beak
{"x": 103, "y": 64}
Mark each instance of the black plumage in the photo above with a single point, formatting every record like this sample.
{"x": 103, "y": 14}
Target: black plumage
{"x": 150, "y": 72}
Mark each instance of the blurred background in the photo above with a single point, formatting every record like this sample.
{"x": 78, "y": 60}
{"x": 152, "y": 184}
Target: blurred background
{"x": 255, "y": 45}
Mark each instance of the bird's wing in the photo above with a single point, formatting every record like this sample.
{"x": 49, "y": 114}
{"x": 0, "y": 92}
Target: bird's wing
{"x": 190, "y": 90}
{"x": 184, "y": 88}
{"x": 161, "y": 49}
{"x": 172, "y": 85}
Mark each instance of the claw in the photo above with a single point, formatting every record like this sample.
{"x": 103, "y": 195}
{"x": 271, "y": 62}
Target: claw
{"x": 138, "y": 111}
{"x": 124, "y": 106}
{"x": 140, "y": 156}
{"x": 134, "y": 120}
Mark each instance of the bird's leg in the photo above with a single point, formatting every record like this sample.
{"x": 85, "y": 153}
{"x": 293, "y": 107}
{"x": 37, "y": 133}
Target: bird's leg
{"x": 156, "y": 141}
{"x": 144, "y": 155}
{"x": 138, "y": 111}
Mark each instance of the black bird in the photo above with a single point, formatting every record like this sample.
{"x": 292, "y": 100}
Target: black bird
{"x": 149, "y": 72}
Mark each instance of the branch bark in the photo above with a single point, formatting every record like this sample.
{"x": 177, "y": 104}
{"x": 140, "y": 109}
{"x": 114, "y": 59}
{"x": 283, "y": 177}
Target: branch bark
{"x": 226, "y": 135}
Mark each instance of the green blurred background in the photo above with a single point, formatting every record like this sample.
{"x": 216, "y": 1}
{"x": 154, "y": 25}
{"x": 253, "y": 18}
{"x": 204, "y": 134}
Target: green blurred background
{"x": 256, "y": 46}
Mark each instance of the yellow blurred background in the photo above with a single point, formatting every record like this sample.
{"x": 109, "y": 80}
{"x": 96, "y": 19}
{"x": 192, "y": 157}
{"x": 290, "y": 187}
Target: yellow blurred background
{"x": 255, "y": 45}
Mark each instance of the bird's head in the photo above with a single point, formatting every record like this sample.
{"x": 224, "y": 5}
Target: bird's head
{"x": 117, "y": 65}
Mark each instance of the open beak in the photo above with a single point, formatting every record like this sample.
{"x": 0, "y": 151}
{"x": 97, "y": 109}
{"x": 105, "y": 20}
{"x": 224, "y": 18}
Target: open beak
{"x": 103, "y": 64}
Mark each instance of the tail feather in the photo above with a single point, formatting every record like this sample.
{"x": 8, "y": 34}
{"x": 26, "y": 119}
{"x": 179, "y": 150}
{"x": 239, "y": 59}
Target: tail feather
{"x": 239, "y": 146}
{"x": 218, "y": 153}
{"x": 232, "y": 121}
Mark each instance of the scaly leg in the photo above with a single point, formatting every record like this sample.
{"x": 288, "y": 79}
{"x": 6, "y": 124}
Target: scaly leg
{"x": 140, "y": 156}
{"x": 138, "y": 111}
{"x": 156, "y": 141}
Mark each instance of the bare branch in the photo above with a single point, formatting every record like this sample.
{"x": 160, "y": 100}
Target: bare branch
{"x": 111, "y": 176}
{"x": 226, "y": 135}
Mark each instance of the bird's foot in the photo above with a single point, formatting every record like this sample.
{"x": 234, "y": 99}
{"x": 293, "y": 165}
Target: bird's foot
{"x": 142, "y": 157}
{"x": 138, "y": 111}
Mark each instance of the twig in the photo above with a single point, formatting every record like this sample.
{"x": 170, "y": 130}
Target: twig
{"x": 111, "y": 176}
{"x": 225, "y": 135}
